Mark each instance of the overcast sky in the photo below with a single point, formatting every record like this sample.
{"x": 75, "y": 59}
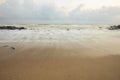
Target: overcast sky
{"x": 60, "y": 11}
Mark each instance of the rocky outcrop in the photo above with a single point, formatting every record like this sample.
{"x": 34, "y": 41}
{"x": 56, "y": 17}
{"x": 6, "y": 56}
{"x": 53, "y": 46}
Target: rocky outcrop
{"x": 114, "y": 27}
{"x": 11, "y": 28}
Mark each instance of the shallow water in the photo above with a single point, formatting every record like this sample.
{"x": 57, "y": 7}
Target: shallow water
{"x": 38, "y": 33}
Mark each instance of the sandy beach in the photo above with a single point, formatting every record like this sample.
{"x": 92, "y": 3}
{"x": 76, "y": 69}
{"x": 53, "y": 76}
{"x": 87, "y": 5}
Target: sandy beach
{"x": 60, "y": 54}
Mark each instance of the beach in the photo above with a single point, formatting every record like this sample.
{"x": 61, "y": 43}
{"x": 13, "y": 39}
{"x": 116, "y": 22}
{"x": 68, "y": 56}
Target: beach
{"x": 49, "y": 52}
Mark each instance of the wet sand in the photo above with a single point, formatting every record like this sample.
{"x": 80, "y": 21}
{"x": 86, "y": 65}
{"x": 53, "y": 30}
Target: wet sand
{"x": 58, "y": 62}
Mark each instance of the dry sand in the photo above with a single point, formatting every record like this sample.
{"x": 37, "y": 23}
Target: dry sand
{"x": 58, "y": 62}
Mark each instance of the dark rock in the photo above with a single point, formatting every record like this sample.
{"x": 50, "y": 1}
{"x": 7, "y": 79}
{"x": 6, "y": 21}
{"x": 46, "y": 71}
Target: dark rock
{"x": 21, "y": 28}
{"x": 114, "y": 27}
{"x": 68, "y": 29}
{"x": 12, "y": 28}
{"x": 12, "y": 48}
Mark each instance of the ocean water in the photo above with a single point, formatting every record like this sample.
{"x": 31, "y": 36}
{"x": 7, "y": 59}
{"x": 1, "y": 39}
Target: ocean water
{"x": 57, "y": 33}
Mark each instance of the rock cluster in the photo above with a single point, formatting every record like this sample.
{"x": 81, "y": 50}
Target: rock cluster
{"x": 12, "y": 28}
{"x": 114, "y": 27}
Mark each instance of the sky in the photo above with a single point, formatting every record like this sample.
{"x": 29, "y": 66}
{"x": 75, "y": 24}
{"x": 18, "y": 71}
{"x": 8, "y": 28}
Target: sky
{"x": 59, "y": 11}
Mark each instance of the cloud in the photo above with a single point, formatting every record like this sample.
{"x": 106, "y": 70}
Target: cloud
{"x": 14, "y": 11}
{"x": 103, "y": 15}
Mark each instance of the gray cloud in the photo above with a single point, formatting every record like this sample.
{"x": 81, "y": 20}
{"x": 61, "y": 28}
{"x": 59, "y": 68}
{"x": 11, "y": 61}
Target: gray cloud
{"x": 14, "y": 12}
{"x": 103, "y": 15}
